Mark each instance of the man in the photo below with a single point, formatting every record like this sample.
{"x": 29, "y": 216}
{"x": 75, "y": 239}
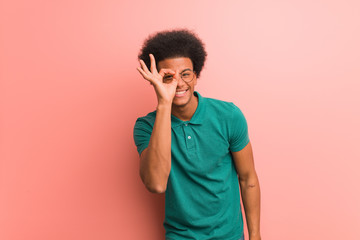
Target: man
{"x": 195, "y": 149}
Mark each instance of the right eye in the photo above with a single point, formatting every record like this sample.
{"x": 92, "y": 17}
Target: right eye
{"x": 168, "y": 78}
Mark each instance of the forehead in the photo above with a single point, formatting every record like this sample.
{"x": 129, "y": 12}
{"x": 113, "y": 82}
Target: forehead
{"x": 178, "y": 63}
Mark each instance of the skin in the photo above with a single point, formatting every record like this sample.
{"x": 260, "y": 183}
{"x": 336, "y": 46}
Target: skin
{"x": 250, "y": 189}
{"x": 183, "y": 107}
{"x": 155, "y": 160}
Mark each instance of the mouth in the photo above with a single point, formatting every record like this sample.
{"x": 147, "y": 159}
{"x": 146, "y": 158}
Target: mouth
{"x": 181, "y": 93}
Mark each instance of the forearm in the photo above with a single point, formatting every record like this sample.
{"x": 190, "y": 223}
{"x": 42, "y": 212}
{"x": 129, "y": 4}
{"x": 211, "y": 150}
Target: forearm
{"x": 250, "y": 192}
{"x": 155, "y": 162}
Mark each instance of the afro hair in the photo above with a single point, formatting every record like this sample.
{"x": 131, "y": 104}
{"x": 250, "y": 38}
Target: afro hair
{"x": 174, "y": 43}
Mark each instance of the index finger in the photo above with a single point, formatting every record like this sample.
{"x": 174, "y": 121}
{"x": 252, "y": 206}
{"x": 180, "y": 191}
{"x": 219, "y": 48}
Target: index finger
{"x": 164, "y": 71}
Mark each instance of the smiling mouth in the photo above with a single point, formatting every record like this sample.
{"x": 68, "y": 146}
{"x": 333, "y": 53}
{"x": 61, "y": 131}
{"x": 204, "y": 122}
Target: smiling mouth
{"x": 181, "y": 93}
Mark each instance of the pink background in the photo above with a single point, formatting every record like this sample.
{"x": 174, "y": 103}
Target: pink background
{"x": 70, "y": 95}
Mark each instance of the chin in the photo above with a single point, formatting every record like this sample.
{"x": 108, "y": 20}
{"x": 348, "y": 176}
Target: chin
{"x": 180, "y": 104}
{"x": 183, "y": 101}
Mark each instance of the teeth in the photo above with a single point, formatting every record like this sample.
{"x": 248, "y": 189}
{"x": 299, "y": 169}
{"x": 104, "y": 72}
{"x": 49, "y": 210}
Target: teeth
{"x": 181, "y": 92}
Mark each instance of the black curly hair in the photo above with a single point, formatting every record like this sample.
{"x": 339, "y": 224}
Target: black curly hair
{"x": 174, "y": 43}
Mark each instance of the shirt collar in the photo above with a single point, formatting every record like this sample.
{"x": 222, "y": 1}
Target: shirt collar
{"x": 197, "y": 118}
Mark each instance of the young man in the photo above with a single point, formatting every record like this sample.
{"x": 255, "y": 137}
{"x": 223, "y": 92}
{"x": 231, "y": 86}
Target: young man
{"x": 195, "y": 149}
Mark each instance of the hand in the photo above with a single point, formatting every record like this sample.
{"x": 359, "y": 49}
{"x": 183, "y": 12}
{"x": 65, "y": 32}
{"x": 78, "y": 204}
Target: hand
{"x": 165, "y": 92}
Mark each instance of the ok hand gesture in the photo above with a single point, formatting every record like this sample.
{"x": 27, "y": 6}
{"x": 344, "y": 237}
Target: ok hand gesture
{"x": 165, "y": 92}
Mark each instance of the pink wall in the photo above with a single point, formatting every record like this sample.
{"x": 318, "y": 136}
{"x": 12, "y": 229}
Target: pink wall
{"x": 70, "y": 94}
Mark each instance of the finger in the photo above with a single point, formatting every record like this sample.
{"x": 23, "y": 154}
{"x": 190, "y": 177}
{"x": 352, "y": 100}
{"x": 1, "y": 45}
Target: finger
{"x": 152, "y": 64}
{"x": 143, "y": 73}
{"x": 174, "y": 82}
{"x": 164, "y": 71}
{"x": 144, "y": 67}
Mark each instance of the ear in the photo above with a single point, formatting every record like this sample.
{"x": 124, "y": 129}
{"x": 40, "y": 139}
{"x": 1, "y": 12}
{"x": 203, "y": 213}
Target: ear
{"x": 195, "y": 79}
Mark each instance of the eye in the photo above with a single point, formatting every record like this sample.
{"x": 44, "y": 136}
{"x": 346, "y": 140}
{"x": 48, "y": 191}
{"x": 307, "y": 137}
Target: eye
{"x": 168, "y": 77}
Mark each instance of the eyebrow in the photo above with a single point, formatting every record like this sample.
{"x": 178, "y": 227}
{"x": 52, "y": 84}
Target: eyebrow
{"x": 186, "y": 70}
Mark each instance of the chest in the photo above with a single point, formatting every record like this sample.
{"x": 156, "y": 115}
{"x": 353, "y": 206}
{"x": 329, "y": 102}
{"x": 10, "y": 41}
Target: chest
{"x": 201, "y": 147}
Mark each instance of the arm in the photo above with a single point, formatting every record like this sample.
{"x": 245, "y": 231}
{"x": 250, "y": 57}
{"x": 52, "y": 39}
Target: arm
{"x": 250, "y": 189}
{"x": 155, "y": 160}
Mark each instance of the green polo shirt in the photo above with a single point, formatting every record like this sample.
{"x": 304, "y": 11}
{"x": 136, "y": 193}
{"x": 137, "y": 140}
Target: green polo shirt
{"x": 202, "y": 199}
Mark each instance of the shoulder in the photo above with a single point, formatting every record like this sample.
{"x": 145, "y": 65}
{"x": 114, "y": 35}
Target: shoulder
{"x": 148, "y": 119}
{"x": 224, "y": 108}
{"x": 224, "y": 113}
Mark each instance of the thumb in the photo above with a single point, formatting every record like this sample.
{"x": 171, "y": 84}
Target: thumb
{"x": 174, "y": 82}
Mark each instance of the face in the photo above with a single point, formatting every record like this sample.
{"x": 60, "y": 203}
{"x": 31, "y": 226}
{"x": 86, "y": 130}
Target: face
{"x": 184, "y": 95}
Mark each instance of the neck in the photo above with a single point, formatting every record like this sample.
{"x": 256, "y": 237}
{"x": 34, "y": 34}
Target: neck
{"x": 185, "y": 113}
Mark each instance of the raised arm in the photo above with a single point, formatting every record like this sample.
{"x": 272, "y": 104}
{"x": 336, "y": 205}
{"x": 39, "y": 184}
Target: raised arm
{"x": 155, "y": 160}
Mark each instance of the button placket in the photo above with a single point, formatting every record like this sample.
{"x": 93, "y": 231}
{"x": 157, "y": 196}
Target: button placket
{"x": 189, "y": 136}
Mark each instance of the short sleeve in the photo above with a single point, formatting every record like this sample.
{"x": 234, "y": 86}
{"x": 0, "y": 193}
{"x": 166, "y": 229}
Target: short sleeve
{"x": 142, "y": 134}
{"x": 239, "y": 136}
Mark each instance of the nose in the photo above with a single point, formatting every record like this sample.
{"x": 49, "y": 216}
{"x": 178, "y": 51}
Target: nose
{"x": 180, "y": 80}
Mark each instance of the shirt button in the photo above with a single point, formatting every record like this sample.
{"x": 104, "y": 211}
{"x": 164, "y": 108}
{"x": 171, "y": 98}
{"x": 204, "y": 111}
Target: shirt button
{"x": 189, "y": 137}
